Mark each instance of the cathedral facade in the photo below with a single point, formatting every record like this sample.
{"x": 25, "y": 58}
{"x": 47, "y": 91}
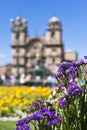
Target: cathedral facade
{"x": 47, "y": 51}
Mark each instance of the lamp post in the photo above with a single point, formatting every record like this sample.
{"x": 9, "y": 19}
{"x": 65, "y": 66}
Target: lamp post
{"x": 17, "y": 27}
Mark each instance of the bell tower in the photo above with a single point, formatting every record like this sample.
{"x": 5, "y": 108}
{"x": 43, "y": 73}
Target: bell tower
{"x": 19, "y": 37}
{"x": 54, "y": 53}
{"x": 54, "y": 31}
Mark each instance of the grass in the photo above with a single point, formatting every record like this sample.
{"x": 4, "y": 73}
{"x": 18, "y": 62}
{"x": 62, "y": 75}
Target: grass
{"x": 7, "y": 125}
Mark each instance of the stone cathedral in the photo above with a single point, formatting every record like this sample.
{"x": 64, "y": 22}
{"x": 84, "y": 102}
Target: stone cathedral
{"x": 47, "y": 51}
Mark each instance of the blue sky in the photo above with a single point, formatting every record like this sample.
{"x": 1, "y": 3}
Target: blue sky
{"x": 72, "y": 14}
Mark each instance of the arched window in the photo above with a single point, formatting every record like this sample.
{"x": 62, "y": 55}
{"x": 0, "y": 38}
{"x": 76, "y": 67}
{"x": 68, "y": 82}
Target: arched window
{"x": 52, "y": 34}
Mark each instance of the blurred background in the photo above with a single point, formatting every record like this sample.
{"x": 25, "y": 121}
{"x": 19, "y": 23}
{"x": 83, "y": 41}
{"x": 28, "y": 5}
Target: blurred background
{"x": 39, "y": 35}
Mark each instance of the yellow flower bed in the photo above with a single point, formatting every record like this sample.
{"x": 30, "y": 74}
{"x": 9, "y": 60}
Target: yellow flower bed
{"x": 16, "y": 98}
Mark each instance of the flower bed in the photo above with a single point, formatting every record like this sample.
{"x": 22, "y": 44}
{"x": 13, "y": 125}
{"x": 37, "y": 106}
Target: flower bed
{"x": 16, "y": 98}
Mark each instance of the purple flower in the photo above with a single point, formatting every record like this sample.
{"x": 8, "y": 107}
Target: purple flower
{"x": 58, "y": 75}
{"x": 72, "y": 75}
{"x": 71, "y": 83}
{"x": 78, "y": 90}
{"x": 62, "y": 103}
{"x": 36, "y": 116}
{"x": 43, "y": 109}
{"x": 70, "y": 70}
{"x": 54, "y": 120}
{"x": 46, "y": 112}
{"x": 73, "y": 88}
{"x": 36, "y": 104}
{"x": 50, "y": 113}
{"x": 66, "y": 70}
{"x": 85, "y": 57}
{"x": 21, "y": 121}
{"x": 23, "y": 127}
{"x": 59, "y": 88}
{"x": 22, "y": 124}
{"x": 79, "y": 62}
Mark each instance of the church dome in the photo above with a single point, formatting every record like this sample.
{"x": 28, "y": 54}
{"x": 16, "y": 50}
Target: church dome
{"x": 53, "y": 19}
